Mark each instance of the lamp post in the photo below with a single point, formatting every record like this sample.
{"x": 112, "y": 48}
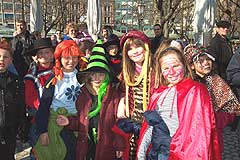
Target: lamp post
{"x": 141, "y": 8}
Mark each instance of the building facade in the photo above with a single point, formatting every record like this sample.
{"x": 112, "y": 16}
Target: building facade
{"x": 122, "y": 15}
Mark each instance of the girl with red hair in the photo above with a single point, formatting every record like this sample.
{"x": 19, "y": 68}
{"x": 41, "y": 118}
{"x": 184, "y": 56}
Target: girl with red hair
{"x": 59, "y": 96}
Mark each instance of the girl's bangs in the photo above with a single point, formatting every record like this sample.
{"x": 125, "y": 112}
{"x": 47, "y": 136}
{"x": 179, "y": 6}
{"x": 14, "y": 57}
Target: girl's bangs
{"x": 71, "y": 51}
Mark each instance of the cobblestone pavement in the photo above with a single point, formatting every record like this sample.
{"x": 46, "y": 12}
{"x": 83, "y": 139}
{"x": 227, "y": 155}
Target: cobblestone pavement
{"x": 231, "y": 146}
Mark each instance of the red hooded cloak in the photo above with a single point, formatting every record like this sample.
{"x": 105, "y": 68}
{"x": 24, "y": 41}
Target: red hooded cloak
{"x": 196, "y": 137}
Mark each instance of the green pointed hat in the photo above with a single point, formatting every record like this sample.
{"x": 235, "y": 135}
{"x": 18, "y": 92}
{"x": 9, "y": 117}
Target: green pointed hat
{"x": 97, "y": 61}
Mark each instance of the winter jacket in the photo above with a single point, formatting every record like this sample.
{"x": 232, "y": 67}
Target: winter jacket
{"x": 222, "y": 52}
{"x": 12, "y": 109}
{"x": 34, "y": 84}
{"x": 155, "y": 43}
{"x": 107, "y": 142}
{"x": 20, "y": 45}
{"x": 233, "y": 73}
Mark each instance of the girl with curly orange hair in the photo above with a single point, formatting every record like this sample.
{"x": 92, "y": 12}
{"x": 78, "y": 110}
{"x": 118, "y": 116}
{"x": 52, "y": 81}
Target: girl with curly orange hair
{"x": 59, "y": 96}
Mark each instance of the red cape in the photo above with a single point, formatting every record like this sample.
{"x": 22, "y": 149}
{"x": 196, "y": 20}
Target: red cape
{"x": 196, "y": 137}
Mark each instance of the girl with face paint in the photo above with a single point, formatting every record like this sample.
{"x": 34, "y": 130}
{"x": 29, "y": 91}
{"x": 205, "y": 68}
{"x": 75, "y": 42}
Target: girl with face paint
{"x": 179, "y": 114}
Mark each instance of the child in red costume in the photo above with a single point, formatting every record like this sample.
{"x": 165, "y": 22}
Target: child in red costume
{"x": 39, "y": 72}
{"x": 180, "y": 122}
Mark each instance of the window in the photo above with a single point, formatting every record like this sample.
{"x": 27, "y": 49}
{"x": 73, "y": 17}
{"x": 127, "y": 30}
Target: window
{"x": 9, "y": 16}
{"x": 8, "y": 6}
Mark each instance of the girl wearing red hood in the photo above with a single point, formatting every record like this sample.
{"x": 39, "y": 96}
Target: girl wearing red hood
{"x": 180, "y": 122}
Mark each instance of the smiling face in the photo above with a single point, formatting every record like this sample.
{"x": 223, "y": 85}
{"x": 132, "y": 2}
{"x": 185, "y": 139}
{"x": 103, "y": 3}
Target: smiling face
{"x": 72, "y": 32}
{"x": 5, "y": 59}
{"x": 69, "y": 63}
{"x": 136, "y": 54}
{"x": 172, "y": 69}
{"x": 112, "y": 50}
{"x": 202, "y": 66}
{"x": 96, "y": 79}
{"x": 44, "y": 57}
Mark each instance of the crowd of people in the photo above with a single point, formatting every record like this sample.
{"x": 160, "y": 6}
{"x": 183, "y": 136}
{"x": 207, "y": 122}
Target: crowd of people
{"x": 129, "y": 97}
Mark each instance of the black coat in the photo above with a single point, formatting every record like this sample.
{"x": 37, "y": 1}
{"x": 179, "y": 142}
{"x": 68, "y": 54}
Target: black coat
{"x": 222, "y": 52}
{"x": 233, "y": 73}
{"x": 155, "y": 43}
{"x": 12, "y": 110}
{"x": 20, "y": 45}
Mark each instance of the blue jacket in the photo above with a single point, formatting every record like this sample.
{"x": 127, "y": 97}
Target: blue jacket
{"x": 44, "y": 107}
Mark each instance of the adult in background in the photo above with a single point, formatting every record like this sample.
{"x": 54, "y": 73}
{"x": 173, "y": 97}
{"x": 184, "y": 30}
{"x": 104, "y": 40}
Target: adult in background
{"x": 58, "y": 36}
{"x": 71, "y": 32}
{"x": 156, "y": 41}
{"x": 220, "y": 49}
{"x": 106, "y": 32}
{"x": 20, "y": 43}
{"x": 233, "y": 77}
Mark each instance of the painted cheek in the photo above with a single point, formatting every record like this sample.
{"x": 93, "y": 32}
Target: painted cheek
{"x": 165, "y": 73}
{"x": 173, "y": 72}
{"x": 180, "y": 72}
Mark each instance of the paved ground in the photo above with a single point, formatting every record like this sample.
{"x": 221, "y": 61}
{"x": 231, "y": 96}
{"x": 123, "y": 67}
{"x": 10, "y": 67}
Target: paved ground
{"x": 231, "y": 146}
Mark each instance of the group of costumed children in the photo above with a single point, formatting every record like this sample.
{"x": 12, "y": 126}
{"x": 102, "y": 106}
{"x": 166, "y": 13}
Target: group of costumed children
{"x": 157, "y": 110}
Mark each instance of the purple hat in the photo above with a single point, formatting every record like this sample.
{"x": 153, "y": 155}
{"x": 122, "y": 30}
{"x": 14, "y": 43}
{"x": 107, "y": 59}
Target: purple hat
{"x": 134, "y": 34}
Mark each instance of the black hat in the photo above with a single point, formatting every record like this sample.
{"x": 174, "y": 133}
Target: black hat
{"x": 112, "y": 40}
{"x": 223, "y": 24}
{"x": 39, "y": 44}
{"x": 97, "y": 61}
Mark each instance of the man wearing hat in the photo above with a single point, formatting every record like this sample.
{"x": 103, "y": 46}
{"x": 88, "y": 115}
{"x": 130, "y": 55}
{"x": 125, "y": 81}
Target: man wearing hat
{"x": 42, "y": 53}
{"x": 220, "y": 49}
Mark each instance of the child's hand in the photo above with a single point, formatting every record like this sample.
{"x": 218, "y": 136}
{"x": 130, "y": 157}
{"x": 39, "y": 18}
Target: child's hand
{"x": 119, "y": 154}
{"x": 44, "y": 139}
{"x": 35, "y": 59}
{"x": 121, "y": 109}
{"x": 62, "y": 120}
